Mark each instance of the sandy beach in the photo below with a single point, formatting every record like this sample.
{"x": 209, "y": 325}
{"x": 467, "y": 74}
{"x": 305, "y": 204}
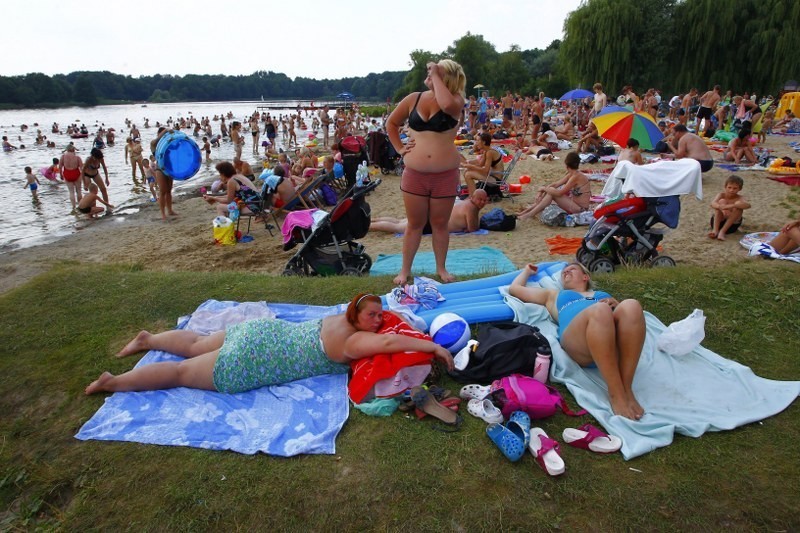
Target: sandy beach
{"x": 186, "y": 242}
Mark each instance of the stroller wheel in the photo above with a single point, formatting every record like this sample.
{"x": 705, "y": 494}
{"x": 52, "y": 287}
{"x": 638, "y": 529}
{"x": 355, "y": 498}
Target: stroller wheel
{"x": 398, "y": 170}
{"x": 385, "y": 171}
{"x": 601, "y": 265}
{"x": 367, "y": 264}
{"x": 350, "y": 271}
{"x": 662, "y": 261}
{"x": 584, "y": 255}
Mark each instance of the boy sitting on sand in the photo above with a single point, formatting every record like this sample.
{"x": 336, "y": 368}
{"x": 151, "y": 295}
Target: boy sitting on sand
{"x": 728, "y": 207}
{"x": 88, "y": 204}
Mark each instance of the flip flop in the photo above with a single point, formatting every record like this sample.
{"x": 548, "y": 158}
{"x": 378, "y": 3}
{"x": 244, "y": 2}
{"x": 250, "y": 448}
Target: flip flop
{"x": 485, "y": 410}
{"x": 546, "y": 452}
{"x": 509, "y": 443}
{"x": 474, "y": 392}
{"x": 590, "y": 438}
{"x": 426, "y": 403}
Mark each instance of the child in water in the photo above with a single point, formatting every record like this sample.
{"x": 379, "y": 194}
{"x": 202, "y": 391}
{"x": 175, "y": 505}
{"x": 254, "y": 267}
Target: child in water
{"x": 32, "y": 182}
{"x": 150, "y": 177}
{"x": 88, "y": 204}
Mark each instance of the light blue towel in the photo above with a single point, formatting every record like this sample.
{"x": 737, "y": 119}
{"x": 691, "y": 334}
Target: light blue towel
{"x": 466, "y": 262}
{"x": 299, "y": 417}
{"x": 690, "y": 395}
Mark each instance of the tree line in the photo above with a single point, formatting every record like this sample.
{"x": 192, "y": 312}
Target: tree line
{"x": 672, "y": 45}
{"x": 91, "y": 88}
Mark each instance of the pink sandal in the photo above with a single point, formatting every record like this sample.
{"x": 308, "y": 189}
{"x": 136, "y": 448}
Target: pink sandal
{"x": 590, "y": 438}
{"x": 547, "y": 452}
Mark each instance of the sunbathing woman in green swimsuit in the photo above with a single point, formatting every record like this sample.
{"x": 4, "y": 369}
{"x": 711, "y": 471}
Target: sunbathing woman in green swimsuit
{"x": 594, "y": 329}
{"x": 264, "y": 352}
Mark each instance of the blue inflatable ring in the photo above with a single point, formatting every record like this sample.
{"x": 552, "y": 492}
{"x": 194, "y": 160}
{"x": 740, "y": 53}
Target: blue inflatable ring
{"x": 178, "y": 156}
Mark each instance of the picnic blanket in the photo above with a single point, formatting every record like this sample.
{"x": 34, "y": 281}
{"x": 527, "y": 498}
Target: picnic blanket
{"x": 756, "y": 244}
{"x": 459, "y": 262}
{"x": 299, "y": 417}
{"x": 690, "y": 395}
{"x": 732, "y": 167}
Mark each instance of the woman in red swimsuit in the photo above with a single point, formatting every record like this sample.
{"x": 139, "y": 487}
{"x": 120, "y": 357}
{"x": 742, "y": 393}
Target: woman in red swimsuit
{"x": 431, "y": 175}
{"x": 70, "y": 166}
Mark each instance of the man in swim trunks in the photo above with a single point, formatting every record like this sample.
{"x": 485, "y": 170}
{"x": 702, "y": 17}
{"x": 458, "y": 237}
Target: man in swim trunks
{"x": 464, "y": 218}
{"x": 263, "y": 352}
{"x": 685, "y": 144}
{"x": 708, "y": 105}
{"x": 595, "y": 330}
{"x": 508, "y": 106}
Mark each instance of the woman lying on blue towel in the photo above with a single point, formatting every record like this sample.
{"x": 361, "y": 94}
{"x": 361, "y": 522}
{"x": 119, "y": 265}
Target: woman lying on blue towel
{"x": 256, "y": 353}
{"x": 609, "y": 337}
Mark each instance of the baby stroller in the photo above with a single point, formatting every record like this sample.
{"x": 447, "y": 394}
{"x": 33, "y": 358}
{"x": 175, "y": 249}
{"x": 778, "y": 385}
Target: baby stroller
{"x": 383, "y": 154}
{"x": 624, "y": 234}
{"x": 330, "y": 248}
{"x": 624, "y": 231}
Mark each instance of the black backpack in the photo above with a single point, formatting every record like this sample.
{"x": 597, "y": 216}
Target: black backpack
{"x": 504, "y": 348}
{"x": 498, "y": 220}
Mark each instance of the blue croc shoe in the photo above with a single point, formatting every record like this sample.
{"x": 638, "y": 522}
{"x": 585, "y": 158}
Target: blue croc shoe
{"x": 509, "y": 443}
{"x": 519, "y": 423}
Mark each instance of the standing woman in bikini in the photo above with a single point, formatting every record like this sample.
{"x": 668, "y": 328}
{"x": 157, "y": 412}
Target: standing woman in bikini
{"x": 431, "y": 174}
{"x": 70, "y": 167}
{"x": 163, "y": 181}
{"x": 91, "y": 172}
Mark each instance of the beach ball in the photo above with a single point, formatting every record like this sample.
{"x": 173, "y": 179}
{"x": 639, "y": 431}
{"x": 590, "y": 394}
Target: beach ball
{"x": 450, "y": 331}
{"x": 524, "y": 179}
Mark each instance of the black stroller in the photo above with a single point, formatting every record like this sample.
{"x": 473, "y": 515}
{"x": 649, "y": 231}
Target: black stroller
{"x": 383, "y": 154}
{"x": 624, "y": 234}
{"x": 330, "y": 249}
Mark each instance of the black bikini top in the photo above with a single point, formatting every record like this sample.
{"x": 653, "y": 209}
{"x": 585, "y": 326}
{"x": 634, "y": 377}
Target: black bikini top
{"x": 439, "y": 122}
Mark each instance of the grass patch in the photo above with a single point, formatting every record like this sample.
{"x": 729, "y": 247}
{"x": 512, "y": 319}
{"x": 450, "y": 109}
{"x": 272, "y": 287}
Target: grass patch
{"x": 59, "y": 331}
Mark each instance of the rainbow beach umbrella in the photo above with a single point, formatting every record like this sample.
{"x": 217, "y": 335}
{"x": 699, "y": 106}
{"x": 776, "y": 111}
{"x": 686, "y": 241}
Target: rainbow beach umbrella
{"x": 618, "y": 124}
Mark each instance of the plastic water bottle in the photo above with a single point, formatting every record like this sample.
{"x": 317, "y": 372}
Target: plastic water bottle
{"x": 541, "y": 368}
{"x": 569, "y": 221}
{"x": 233, "y": 211}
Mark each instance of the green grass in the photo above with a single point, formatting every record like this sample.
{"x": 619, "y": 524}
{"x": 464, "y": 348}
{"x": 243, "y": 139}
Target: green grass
{"x": 58, "y": 333}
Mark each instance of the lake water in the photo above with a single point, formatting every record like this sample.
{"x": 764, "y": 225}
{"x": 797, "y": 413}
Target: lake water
{"x": 27, "y": 224}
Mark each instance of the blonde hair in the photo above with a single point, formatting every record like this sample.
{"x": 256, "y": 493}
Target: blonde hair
{"x": 454, "y": 78}
{"x": 589, "y": 282}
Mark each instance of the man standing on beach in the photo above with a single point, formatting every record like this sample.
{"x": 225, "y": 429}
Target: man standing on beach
{"x": 687, "y": 144}
{"x": 600, "y": 99}
{"x": 325, "y": 120}
{"x": 708, "y": 104}
{"x": 686, "y": 106}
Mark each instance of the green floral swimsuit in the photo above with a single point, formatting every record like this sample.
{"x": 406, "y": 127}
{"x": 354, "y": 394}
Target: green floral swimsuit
{"x": 271, "y": 351}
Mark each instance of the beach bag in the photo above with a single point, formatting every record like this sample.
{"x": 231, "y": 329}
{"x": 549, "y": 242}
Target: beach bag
{"x": 224, "y": 231}
{"x": 523, "y": 393}
{"x": 564, "y": 144}
{"x": 498, "y": 220}
{"x": 552, "y": 215}
{"x": 504, "y": 348}
{"x": 328, "y": 194}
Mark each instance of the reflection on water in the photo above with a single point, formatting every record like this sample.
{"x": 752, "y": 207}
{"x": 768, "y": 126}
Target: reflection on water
{"x": 25, "y": 223}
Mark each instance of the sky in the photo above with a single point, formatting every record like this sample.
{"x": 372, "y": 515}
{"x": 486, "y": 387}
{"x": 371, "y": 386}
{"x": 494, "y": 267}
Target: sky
{"x": 307, "y": 38}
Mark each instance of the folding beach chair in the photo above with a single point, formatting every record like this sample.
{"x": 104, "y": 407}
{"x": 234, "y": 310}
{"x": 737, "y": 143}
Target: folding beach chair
{"x": 499, "y": 189}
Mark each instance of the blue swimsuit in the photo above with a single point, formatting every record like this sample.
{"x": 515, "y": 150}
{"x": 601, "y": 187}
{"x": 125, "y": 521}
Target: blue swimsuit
{"x": 571, "y": 303}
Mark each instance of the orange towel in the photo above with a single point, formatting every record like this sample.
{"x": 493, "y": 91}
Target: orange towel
{"x": 559, "y": 245}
